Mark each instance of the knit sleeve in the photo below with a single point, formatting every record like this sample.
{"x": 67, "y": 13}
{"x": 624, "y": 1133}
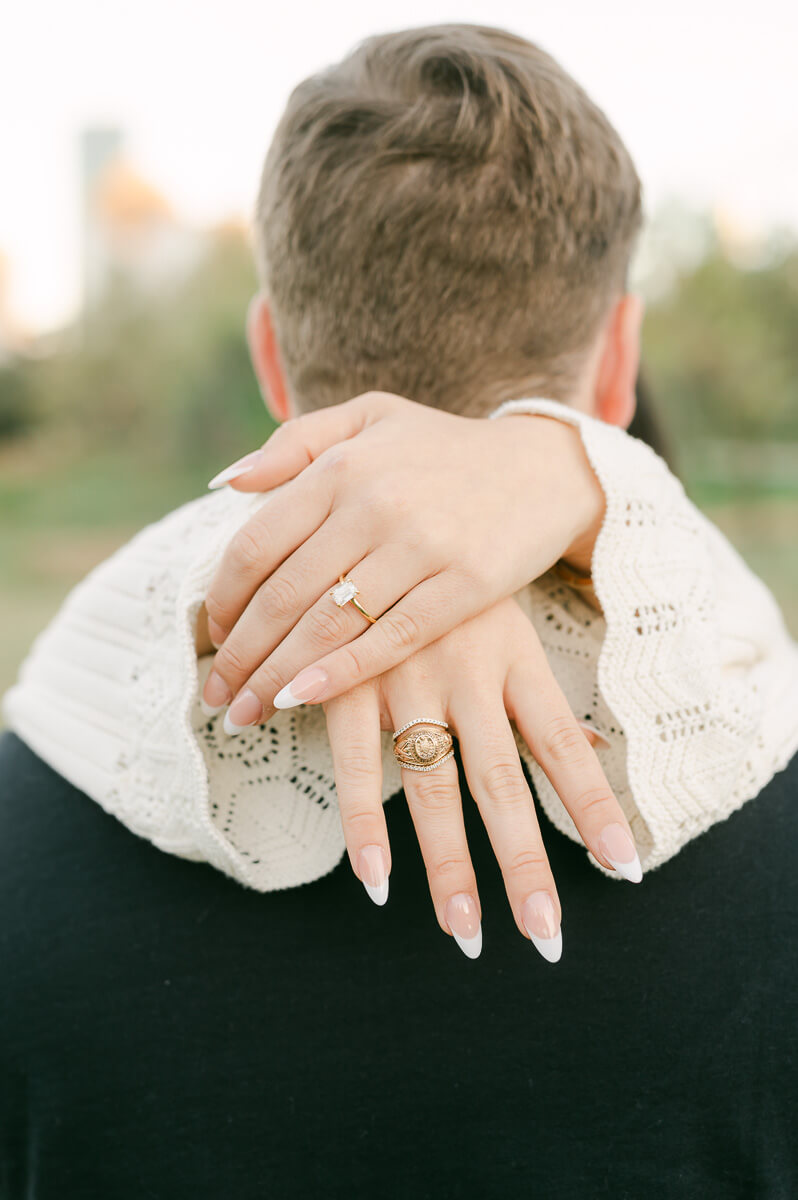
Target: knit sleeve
{"x": 109, "y": 697}
{"x": 689, "y": 669}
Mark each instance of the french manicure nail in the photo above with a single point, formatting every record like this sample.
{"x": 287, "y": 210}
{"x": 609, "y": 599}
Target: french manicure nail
{"x": 215, "y": 695}
{"x": 306, "y": 687}
{"x": 594, "y": 736}
{"x": 462, "y": 917}
{"x": 372, "y": 870}
{"x": 242, "y": 467}
{"x": 245, "y": 710}
{"x": 619, "y": 850}
{"x": 540, "y": 921}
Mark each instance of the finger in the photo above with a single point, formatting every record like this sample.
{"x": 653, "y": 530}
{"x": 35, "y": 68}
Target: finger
{"x": 496, "y": 780}
{"x": 326, "y": 625}
{"x": 425, "y": 613}
{"x": 300, "y": 584}
{"x": 544, "y": 719}
{"x": 300, "y": 441}
{"x": 436, "y": 809}
{"x": 353, "y": 727}
{"x": 285, "y": 521}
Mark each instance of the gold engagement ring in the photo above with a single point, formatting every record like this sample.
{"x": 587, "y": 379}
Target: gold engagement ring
{"x": 345, "y": 592}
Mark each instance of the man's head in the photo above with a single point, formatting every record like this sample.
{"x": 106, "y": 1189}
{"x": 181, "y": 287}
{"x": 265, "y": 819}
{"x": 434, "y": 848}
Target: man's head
{"x": 445, "y": 214}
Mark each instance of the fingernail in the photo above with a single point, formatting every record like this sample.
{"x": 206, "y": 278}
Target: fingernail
{"x": 462, "y": 917}
{"x": 372, "y": 870}
{"x": 235, "y": 470}
{"x": 245, "y": 710}
{"x": 593, "y": 735}
{"x": 215, "y": 695}
{"x": 540, "y": 921}
{"x": 619, "y": 850}
{"x": 308, "y": 685}
{"x": 216, "y": 633}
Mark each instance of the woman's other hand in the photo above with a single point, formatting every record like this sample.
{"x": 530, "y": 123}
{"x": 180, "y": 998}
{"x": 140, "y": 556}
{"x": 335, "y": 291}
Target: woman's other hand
{"x": 433, "y": 517}
{"x": 488, "y": 671}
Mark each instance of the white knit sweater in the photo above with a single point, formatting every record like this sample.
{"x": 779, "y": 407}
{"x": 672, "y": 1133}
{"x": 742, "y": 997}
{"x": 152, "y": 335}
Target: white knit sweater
{"x": 689, "y": 674}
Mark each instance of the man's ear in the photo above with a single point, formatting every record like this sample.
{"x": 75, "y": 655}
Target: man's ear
{"x": 617, "y": 372}
{"x": 265, "y": 355}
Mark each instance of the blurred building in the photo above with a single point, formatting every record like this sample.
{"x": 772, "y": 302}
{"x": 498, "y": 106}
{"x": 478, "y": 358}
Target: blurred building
{"x": 14, "y": 338}
{"x": 130, "y": 232}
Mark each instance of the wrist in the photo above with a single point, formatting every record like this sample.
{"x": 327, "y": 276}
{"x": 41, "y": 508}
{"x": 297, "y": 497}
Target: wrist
{"x": 579, "y": 555}
{"x": 577, "y": 495}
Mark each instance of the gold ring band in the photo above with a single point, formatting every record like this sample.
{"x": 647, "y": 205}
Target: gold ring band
{"x": 423, "y": 744}
{"x": 345, "y": 592}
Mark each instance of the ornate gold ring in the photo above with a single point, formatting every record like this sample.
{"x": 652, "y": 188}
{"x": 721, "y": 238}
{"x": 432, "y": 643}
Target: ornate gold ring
{"x": 423, "y": 744}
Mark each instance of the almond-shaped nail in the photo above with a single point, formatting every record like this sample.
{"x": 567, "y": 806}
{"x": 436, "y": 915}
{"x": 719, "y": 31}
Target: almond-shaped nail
{"x": 309, "y": 685}
{"x": 462, "y": 917}
{"x": 619, "y": 850}
{"x": 242, "y": 467}
{"x": 245, "y": 710}
{"x": 215, "y": 695}
{"x": 372, "y": 870}
{"x": 540, "y": 921}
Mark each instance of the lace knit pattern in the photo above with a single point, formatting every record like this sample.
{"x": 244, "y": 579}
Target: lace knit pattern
{"x": 689, "y": 674}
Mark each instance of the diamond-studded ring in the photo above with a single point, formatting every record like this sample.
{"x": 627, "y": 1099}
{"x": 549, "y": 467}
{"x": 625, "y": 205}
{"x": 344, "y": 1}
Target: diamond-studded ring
{"x": 423, "y": 744}
{"x": 345, "y": 592}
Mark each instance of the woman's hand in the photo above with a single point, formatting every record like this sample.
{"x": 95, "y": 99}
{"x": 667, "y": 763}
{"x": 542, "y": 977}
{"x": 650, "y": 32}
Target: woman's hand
{"x": 434, "y": 517}
{"x": 488, "y": 671}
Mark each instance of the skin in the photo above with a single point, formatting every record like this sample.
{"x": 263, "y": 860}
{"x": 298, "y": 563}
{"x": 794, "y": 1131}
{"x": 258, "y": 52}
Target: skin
{"x": 438, "y": 519}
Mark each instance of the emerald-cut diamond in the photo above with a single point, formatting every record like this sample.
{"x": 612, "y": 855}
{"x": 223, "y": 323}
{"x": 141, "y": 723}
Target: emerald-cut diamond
{"x": 342, "y": 593}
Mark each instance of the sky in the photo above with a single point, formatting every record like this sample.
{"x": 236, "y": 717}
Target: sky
{"x": 703, "y": 93}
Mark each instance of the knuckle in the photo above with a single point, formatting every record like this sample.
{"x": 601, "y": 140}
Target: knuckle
{"x": 358, "y": 766}
{"x": 337, "y": 459}
{"x": 278, "y": 599}
{"x": 595, "y": 800}
{"x": 527, "y": 862}
{"x": 266, "y": 682}
{"x": 246, "y": 551}
{"x": 564, "y": 741}
{"x": 449, "y": 866}
{"x": 432, "y": 792}
{"x": 503, "y": 781}
{"x": 400, "y": 629}
{"x": 327, "y": 625}
{"x": 358, "y": 818}
{"x": 230, "y": 662}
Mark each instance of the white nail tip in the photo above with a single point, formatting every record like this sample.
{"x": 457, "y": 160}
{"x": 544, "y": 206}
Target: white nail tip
{"x": 548, "y": 948}
{"x": 378, "y": 894}
{"x": 209, "y": 710}
{"x": 630, "y": 870}
{"x": 228, "y": 475}
{"x": 471, "y": 947}
{"x": 230, "y": 727}
{"x": 285, "y": 698}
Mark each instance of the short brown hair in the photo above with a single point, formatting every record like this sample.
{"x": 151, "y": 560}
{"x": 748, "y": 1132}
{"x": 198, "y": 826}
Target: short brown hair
{"x": 444, "y": 214}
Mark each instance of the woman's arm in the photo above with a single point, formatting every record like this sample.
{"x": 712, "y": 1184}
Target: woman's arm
{"x": 433, "y": 517}
{"x": 689, "y": 671}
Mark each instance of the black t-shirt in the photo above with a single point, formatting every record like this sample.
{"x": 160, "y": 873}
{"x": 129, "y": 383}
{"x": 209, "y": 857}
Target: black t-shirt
{"x": 166, "y": 1033}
